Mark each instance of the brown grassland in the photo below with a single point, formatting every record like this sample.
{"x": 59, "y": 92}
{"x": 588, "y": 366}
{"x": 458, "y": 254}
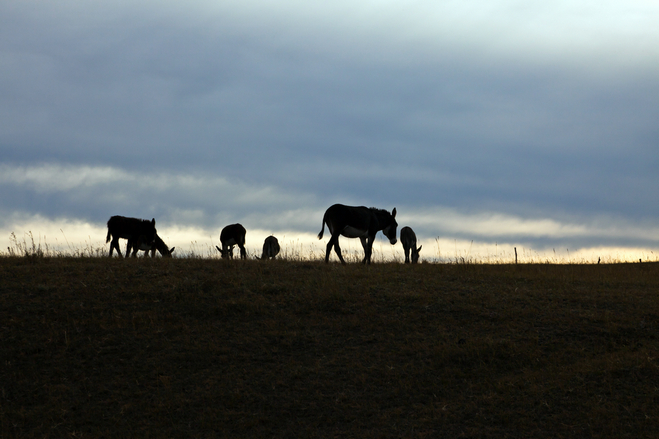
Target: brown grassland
{"x": 191, "y": 347}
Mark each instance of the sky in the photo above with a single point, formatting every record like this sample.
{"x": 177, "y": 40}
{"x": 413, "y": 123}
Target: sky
{"x": 489, "y": 125}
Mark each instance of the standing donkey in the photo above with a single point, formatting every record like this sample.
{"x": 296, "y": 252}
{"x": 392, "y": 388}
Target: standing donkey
{"x": 408, "y": 239}
{"x": 231, "y": 235}
{"x": 270, "y": 248}
{"x": 142, "y": 232}
{"x": 158, "y": 244}
{"x": 357, "y": 222}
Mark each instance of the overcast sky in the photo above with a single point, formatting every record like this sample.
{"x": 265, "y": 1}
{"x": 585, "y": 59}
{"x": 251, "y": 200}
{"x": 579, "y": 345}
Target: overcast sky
{"x": 522, "y": 123}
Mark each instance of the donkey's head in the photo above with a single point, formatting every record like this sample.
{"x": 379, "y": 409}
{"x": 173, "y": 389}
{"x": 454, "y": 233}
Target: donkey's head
{"x": 390, "y": 229}
{"x": 167, "y": 252}
{"x": 226, "y": 252}
{"x": 415, "y": 254}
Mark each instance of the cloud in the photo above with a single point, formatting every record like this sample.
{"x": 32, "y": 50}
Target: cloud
{"x": 95, "y": 193}
{"x": 52, "y": 178}
{"x": 489, "y": 226}
{"x": 206, "y": 203}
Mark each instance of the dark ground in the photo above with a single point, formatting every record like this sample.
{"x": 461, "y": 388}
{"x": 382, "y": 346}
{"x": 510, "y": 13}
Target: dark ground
{"x": 99, "y": 347}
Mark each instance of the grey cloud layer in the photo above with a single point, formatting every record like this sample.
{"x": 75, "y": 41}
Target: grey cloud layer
{"x": 93, "y": 194}
{"x": 208, "y": 203}
{"x": 537, "y": 111}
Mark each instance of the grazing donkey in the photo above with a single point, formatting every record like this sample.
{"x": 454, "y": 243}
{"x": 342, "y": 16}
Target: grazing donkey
{"x": 158, "y": 244}
{"x": 357, "y": 222}
{"x": 142, "y": 232}
{"x": 231, "y": 235}
{"x": 270, "y": 248}
{"x": 408, "y": 239}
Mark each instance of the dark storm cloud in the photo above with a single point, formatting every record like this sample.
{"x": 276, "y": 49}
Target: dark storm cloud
{"x": 485, "y": 109}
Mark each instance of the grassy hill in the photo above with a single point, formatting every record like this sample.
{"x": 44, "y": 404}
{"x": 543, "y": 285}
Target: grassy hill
{"x": 99, "y": 347}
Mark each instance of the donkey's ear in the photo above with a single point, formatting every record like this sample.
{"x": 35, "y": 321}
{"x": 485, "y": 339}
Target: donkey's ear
{"x": 218, "y": 249}
{"x": 417, "y": 250}
{"x": 171, "y": 250}
{"x": 393, "y": 213}
{"x": 153, "y": 221}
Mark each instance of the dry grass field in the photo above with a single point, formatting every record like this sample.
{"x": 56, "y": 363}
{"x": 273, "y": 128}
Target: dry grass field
{"x": 100, "y": 347}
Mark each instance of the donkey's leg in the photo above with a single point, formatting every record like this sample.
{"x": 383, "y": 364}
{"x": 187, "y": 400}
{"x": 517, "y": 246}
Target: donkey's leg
{"x": 369, "y": 249}
{"x": 337, "y": 249}
{"x": 134, "y": 246}
{"x": 407, "y": 254}
{"x": 115, "y": 244}
{"x": 364, "y": 242}
{"x": 328, "y": 250}
{"x": 243, "y": 252}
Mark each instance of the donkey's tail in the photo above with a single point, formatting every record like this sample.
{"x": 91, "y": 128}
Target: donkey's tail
{"x": 322, "y": 230}
{"x": 107, "y": 238}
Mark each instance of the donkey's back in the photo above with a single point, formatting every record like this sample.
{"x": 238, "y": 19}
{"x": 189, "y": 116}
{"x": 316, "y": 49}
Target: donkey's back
{"x": 408, "y": 239}
{"x": 270, "y": 248}
{"x": 233, "y": 234}
{"x": 141, "y": 231}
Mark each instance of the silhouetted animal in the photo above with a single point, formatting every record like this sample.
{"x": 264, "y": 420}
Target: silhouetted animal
{"x": 142, "y": 232}
{"x": 357, "y": 222}
{"x": 231, "y": 235}
{"x": 158, "y": 244}
{"x": 270, "y": 248}
{"x": 408, "y": 239}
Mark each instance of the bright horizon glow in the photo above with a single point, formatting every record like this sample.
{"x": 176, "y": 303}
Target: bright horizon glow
{"x": 75, "y": 237}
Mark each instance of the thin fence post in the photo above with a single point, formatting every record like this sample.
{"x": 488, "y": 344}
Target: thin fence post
{"x": 515, "y": 255}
